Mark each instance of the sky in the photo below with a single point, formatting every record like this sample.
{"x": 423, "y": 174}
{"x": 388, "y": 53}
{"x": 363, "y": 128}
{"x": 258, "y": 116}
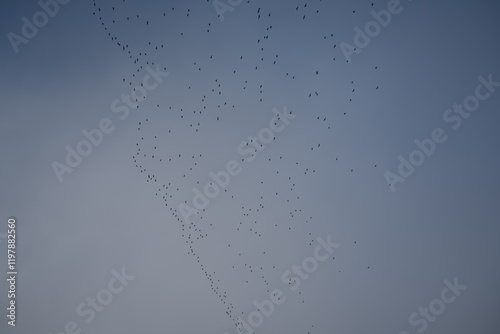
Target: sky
{"x": 170, "y": 165}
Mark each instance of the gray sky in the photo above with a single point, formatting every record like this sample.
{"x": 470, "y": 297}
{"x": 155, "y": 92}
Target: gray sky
{"x": 319, "y": 177}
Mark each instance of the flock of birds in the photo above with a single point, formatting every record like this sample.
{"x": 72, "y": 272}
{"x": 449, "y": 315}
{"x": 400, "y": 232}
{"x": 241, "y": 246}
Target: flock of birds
{"x": 283, "y": 175}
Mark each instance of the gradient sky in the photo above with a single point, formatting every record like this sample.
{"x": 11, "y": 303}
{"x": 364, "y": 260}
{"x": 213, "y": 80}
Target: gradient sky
{"x": 441, "y": 223}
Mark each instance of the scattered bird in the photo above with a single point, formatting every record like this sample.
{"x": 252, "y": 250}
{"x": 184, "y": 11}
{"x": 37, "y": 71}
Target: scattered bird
{"x": 215, "y": 95}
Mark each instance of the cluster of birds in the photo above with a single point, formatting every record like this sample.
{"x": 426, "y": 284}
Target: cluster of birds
{"x": 277, "y": 188}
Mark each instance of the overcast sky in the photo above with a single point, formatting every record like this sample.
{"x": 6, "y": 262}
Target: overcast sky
{"x": 331, "y": 170}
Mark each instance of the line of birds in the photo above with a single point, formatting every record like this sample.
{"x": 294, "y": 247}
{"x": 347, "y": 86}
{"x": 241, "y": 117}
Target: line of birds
{"x": 209, "y": 105}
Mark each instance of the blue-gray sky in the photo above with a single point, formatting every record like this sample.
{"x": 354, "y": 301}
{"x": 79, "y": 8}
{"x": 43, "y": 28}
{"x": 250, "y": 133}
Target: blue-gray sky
{"x": 322, "y": 175}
